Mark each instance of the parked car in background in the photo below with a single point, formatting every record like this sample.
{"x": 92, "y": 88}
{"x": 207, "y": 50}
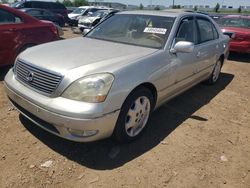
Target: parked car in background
{"x": 216, "y": 17}
{"x": 109, "y": 82}
{"x": 87, "y": 22}
{"x": 43, "y": 14}
{"x": 55, "y": 7}
{"x": 82, "y": 11}
{"x": 19, "y": 31}
{"x": 240, "y": 26}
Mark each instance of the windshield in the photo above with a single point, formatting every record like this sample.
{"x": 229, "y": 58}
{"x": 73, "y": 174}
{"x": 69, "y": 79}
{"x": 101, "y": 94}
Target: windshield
{"x": 78, "y": 11}
{"x": 235, "y": 22}
{"x": 140, "y": 30}
{"x": 16, "y": 5}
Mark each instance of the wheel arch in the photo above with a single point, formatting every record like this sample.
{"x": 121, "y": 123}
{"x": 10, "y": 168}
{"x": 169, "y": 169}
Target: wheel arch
{"x": 151, "y": 87}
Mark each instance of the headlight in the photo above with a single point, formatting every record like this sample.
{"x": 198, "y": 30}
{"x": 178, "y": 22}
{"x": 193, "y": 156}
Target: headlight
{"x": 93, "y": 88}
{"x": 75, "y": 17}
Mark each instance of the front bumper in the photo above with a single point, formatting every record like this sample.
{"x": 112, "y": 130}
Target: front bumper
{"x": 58, "y": 123}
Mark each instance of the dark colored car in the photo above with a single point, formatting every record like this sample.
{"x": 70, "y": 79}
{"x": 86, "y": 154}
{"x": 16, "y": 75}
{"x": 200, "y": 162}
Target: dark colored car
{"x": 240, "y": 26}
{"x": 19, "y": 31}
{"x": 43, "y": 14}
{"x": 54, "y": 7}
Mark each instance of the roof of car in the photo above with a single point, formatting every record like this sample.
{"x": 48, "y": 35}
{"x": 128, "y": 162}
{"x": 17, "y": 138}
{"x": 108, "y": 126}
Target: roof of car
{"x": 160, "y": 13}
{"x": 237, "y": 16}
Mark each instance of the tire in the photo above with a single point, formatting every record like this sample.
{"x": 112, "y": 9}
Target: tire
{"x": 215, "y": 74}
{"x": 134, "y": 115}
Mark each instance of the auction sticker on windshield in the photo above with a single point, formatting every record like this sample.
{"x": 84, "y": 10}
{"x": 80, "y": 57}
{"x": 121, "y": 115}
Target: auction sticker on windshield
{"x": 155, "y": 30}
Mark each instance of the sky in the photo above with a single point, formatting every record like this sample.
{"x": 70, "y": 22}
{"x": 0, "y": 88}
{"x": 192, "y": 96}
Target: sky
{"x": 234, "y": 3}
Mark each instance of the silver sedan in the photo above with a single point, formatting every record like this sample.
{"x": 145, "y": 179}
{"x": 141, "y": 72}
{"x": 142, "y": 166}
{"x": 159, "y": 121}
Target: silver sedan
{"x": 110, "y": 81}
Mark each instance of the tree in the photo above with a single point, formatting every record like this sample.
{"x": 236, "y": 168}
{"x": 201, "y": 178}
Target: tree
{"x": 239, "y": 9}
{"x": 78, "y": 3}
{"x": 217, "y": 7}
{"x": 157, "y": 8}
{"x": 141, "y": 6}
{"x": 195, "y": 8}
{"x": 67, "y": 3}
{"x": 4, "y": 1}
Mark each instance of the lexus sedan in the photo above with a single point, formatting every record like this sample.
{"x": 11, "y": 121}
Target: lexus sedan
{"x": 19, "y": 31}
{"x": 240, "y": 26}
{"x": 117, "y": 75}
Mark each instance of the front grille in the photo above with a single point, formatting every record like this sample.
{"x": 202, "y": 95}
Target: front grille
{"x": 37, "y": 78}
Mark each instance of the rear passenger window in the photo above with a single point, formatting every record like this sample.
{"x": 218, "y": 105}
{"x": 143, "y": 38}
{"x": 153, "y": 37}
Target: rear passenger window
{"x": 8, "y": 18}
{"x": 186, "y": 31}
{"x": 206, "y": 30}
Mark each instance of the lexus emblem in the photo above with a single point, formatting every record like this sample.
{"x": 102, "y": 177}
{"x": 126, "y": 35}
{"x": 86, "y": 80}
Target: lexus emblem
{"x": 30, "y": 76}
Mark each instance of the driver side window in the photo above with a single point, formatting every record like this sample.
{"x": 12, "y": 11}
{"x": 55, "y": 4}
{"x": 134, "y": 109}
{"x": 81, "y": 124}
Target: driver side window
{"x": 186, "y": 31}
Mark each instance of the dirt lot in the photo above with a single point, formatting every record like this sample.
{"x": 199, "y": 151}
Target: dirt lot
{"x": 199, "y": 139}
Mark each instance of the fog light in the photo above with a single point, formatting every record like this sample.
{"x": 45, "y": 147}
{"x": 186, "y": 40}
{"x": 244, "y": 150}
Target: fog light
{"x": 81, "y": 133}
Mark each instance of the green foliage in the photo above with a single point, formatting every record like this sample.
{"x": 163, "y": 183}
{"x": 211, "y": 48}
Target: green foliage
{"x": 78, "y": 3}
{"x": 176, "y": 6}
{"x": 217, "y": 7}
{"x": 195, "y": 8}
{"x": 239, "y": 9}
{"x": 4, "y": 1}
{"x": 141, "y": 7}
{"x": 157, "y": 8}
{"x": 67, "y": 3}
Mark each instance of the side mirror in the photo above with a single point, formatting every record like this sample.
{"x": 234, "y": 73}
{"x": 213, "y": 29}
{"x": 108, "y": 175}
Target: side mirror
{"x": 183, "y": 47}
{"x": 230, "y": 34}
{"x": 85, "y": 31}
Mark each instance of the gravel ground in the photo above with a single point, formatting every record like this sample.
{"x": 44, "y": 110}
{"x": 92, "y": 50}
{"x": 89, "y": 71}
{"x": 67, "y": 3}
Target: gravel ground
{"x": 199, "y": 139}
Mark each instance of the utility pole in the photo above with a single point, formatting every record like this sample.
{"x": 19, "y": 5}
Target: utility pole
{"x": 173, "y": 4}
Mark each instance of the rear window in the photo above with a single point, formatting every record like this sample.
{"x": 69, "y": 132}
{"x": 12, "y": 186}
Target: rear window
{"x": 235, "y": 22}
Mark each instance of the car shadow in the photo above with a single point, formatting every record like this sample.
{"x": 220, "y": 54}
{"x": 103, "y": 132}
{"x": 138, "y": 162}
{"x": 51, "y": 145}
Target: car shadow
{"x": 242, "y": 58}
{"x": 3, "y": 72}
{"x": 107, "y": 154}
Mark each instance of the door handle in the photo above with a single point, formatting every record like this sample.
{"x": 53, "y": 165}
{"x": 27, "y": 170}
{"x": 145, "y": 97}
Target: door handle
{"x": 198, "y": 54}
{"x": 12, "y": 29}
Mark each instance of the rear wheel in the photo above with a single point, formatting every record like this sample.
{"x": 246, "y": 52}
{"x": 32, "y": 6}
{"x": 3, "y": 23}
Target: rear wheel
{"x": 134, "y": 115}
{"x": 215, "y": 74}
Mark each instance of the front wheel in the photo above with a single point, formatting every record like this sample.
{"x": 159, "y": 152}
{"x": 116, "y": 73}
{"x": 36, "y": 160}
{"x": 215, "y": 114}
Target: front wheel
{"x": 215, "y": 74}
{"x": 134, "y": 115}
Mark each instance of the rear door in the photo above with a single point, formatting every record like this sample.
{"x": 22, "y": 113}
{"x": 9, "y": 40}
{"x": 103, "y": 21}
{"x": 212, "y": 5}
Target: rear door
{"x": 208, "y": 47}
{"x": 9, "y": 36}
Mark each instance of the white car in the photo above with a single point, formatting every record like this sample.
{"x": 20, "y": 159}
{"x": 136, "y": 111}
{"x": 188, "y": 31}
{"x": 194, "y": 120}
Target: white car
{"x": 82, "y": 11}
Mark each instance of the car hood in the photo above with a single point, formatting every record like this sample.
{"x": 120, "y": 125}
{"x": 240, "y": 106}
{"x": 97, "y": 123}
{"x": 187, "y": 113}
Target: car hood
{"x": 63, "y": 56}
{"x": 88, "y": 19}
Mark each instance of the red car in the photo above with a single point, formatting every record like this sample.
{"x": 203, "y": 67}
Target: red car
{"x": 19, "y": 31}
{"x": 240, "y": 26}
